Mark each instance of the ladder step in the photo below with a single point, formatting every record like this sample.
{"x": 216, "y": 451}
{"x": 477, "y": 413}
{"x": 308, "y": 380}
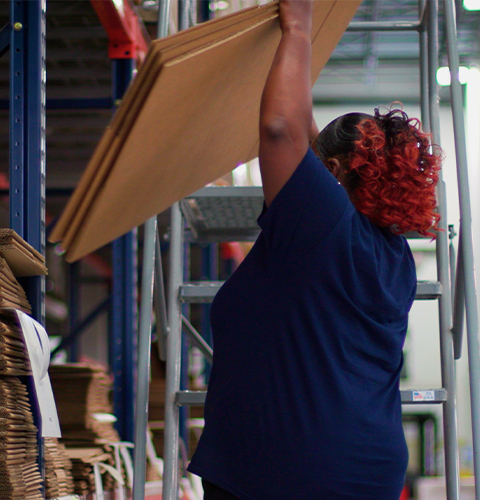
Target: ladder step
{"x": 410, "y": 396}
{"x": 428, "y": 290}
{"x": 422, "y": 397}
{"x": 190, "y": 398}
{"x": 201, "y": 292}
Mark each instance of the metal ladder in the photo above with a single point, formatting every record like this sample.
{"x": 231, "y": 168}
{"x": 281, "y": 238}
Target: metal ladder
{"x": 210, "y": 202}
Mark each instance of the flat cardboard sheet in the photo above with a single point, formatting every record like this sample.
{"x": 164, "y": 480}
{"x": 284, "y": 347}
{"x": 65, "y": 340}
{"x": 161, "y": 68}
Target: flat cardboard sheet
{"x": 190, "y": 117}
{"x": 134, "y": 100}
{"x": 21, "y": 257}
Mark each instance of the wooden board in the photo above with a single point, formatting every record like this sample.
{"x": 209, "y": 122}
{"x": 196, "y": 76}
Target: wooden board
{"x": 192, "y": 118}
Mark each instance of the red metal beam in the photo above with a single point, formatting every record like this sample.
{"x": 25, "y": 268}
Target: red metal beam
{"x": 127, "y": 36}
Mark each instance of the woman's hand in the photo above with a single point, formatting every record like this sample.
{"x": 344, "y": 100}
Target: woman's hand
{"x": 296, "y": 15}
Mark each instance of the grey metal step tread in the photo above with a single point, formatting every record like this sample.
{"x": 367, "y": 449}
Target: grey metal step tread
{"x": 204, "y": 291}
{"x": 190, "y": 398}
{"x": 200, "y": 291}
{"x": 409, "y": 396}
{"x": 223, "y": 213}
{"x": 428, "y": 290}
{"x": 423, "y": 396}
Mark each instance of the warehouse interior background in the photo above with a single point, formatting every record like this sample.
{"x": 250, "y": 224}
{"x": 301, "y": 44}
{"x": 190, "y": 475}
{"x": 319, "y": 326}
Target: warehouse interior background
{"x": 366, "y": 70}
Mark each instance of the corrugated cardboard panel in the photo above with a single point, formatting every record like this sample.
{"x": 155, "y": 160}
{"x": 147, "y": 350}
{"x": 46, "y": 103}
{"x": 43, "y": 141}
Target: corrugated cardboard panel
{"x": 122, "y": 129}
{"x": 161, "y": 50}
{"x": 196, "y": 120}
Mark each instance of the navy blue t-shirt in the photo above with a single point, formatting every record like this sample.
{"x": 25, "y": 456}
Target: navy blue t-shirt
{"x": 303, "y": 400}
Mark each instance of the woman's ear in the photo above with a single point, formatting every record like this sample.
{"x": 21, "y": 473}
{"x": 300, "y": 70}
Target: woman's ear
{"x": 334, "y": 166}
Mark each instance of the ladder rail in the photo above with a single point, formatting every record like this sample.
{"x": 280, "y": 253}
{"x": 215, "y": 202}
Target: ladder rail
{"x": 459, "y": 302}
{"x": 159, "y": 303}
{"x": 143, "y": 361}
{"x": 471, "y": 306}
{"x": 450, "y": 427}
{"x": 173, "y": 372}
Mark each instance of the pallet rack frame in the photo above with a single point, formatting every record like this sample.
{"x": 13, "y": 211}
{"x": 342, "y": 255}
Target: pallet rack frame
{"x": 27, "y": 202}
{"x": 25, "y": 37}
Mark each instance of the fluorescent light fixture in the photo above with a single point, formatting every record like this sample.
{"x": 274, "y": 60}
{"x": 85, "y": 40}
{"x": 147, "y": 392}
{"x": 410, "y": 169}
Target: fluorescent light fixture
{"x": 443, "y": 75}
{"x": 471, "y": 4}
{"x": 219, "y": 5}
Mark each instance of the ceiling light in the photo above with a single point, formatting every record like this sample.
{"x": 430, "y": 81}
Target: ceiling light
{"x": 471, "y": 4}
{"x": 219, "y": 5}
{"x": 443, "y": 75}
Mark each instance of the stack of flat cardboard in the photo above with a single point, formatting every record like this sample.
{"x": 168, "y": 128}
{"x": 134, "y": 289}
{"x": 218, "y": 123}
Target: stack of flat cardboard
{"x": 21, "y": 257}
{"x": 58, "y": 470}
{"x": 83, "y": 460}
{"x": 11, "y": 292}
{"x": 190, "y": 116}
{"x": 81, "y": 391}
{"x": 13, "y": 355}
{"x": 19, "y": 474}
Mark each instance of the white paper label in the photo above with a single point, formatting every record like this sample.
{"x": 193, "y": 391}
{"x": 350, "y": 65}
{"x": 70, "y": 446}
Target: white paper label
{"x": 38, "y": 347}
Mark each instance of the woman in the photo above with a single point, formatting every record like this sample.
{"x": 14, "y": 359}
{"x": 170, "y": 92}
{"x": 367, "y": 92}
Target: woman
{"x": 304, "y": 399}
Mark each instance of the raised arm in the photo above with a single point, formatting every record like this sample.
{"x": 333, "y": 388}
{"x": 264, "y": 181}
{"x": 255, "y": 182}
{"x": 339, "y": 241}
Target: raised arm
{"x": 286, "y": 109}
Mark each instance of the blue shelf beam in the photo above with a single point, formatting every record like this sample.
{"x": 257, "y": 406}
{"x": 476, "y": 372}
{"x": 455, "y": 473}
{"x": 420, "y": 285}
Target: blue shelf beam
{"x": 128, "y": 43}
{"x": 73, "y": 307}
{"x": 123, "y": 330}
{"x": 27, "y": 135}
{"x": 27, "y": 151}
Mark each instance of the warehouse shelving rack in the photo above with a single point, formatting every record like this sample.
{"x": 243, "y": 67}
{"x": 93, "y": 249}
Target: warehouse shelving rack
{"x": 27, "y": 147}
{"x": 24, "y": 37}
{"x": 27, "y": 201}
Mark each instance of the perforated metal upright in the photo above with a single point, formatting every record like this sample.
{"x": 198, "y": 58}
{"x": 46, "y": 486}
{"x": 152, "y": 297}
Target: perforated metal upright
{"x": 205, "y": 212}
{"x": 27, "y": 134}
{"x": 27, "y": 147}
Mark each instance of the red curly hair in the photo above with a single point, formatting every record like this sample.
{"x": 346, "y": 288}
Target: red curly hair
{"x": 392, "y": 168}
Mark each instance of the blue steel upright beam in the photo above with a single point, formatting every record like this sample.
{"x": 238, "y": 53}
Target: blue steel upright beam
{"x": 124, "y": 298}
{"x": 27, "y": 150}
{"x": 27, "y": 135}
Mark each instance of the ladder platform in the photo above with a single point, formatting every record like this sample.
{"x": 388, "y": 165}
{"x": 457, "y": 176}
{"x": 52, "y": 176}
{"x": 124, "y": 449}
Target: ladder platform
{"x": 223, "y": 213}
{"x": 205, "y": 291}
{"x": 422, "y": 397}
{"x": 190, "y": 398}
